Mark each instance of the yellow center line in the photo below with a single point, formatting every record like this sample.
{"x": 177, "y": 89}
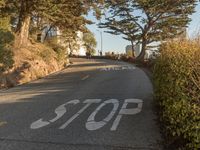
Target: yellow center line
{"x": 85, "y": 77}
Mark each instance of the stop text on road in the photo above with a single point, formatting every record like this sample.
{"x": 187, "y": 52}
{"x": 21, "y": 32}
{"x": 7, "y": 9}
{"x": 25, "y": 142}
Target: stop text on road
{"x": 91, "y": 124}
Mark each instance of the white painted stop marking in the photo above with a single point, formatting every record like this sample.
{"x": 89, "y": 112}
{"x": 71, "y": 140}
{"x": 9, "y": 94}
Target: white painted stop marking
{"x": 91, "y": 124}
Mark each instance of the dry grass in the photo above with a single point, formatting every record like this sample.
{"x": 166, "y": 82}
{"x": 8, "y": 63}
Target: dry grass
{"x": 31, "y": 62}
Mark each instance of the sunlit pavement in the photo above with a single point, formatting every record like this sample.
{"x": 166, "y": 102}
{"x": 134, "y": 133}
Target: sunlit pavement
{"x": 92, "y": 105}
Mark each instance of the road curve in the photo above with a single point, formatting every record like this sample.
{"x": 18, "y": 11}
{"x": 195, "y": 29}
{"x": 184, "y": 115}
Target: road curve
{"x": 91, "y": 105}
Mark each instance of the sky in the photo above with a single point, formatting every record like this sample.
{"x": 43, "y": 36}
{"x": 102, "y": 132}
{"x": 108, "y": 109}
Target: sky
{"x": 117, "y": 44}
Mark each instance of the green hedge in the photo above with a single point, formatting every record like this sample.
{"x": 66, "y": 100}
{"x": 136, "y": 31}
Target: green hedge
{"x": 177, "y": 92}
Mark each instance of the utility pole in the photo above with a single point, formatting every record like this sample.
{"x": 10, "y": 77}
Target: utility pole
{"x": 101, "y": 35}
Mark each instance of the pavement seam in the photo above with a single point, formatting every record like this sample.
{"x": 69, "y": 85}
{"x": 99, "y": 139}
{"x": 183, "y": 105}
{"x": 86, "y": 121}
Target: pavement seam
{"x": 79, "y": 144}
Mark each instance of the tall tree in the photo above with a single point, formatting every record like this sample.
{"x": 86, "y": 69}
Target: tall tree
{"x": 65, "y": 14}
{"x": 22, "y": 11}
{"x": 89, "y": 42}
{"x": 147, "y": 21}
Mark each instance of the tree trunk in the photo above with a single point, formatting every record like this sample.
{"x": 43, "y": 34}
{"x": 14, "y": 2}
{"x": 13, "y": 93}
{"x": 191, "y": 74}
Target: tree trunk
{"x": 70, "y": 49}
{"x": 143, "y": 51}
{"x": 23, "y": 31}
{"x": 133, "y": 50}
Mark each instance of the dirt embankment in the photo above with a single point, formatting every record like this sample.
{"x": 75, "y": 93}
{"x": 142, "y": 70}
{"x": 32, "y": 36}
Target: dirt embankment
{"x": 32, "y": 62}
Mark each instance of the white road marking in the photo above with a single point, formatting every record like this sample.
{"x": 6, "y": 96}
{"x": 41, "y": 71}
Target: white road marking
{"x": 60, "y": 111}
{"x": 125, "y": 111}
{"x": 39, "y": 124}
{"x": 88, "y": 103}
{"x": 91, "y": 124}
{"x": 86, "y": 77}
{"x": 118, "y": 68}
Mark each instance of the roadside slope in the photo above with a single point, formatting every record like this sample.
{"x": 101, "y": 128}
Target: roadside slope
{"x": 30, "y": 63}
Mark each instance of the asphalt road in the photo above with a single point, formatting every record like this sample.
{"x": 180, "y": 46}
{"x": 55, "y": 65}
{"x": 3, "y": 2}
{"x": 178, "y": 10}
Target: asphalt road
{"x": 92, "y": 105}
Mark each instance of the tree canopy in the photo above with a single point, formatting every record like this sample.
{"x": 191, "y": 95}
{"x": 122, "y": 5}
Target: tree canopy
{"x": 147, "y": 21}
{"x": 2, "y": 3}
{"x": 68, "y": 15}
{"x": 89, "y": 42}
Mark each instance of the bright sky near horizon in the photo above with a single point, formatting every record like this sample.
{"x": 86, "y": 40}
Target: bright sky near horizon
{"x": 117, "y": 44}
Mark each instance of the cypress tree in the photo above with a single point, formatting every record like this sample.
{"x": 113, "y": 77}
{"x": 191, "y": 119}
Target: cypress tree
{"x": 147, "y": 21}
{"x": 68, "y": 15}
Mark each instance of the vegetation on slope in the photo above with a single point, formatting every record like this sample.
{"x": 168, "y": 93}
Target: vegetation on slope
{"x": 177, "y": 91}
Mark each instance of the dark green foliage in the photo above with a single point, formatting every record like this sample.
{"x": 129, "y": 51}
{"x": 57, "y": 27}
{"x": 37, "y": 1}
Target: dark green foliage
{"x": 6, "y": 37}
{"x": 6, "y": 58}
{"x": 68, "y": 15}
{"x": 6, "y": 54}
{"x": 177, "y": 92}
{"x": 34, "y": 15}
{"x": 6, "y": 40}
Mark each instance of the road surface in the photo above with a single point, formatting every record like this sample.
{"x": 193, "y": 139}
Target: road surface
{"x": 92, "y": 105}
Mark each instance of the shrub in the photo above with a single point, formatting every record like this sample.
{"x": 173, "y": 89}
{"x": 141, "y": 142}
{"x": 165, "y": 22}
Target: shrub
{"x": 61, "y": 55}
{"x": 6, "y": 54}
{"x": 124, "y": 57}
{"x": 6, "y": 58}
{"x": 58, "y": 48}
{"x": 177, "y": 91}
{"x": 46, "y": 54}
